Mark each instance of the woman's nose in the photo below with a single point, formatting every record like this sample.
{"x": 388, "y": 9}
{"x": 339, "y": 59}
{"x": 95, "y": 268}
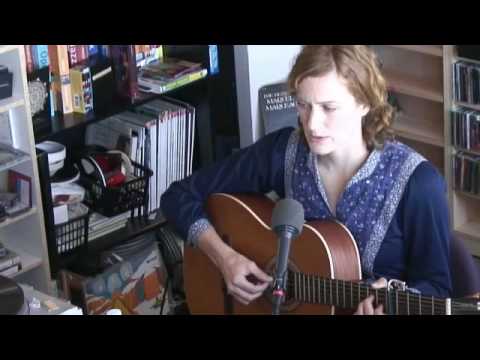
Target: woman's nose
{"x": 316, "y": 119}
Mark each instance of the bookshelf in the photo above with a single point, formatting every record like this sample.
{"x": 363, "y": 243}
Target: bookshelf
{"x": 465, "y": 207}
{"x": 421, "y": 79}
{"x": 70, "y": 130}
{"x": 24, "y": 233}
{"x": 415, "y": 76}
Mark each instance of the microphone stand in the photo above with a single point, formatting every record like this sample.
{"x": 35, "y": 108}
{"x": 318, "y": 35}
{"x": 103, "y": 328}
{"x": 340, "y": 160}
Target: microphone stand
{"x": 286, "y": 233}
{"x": 278, "y": 293}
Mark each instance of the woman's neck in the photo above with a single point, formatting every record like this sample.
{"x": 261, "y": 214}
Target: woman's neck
{"x": 345, "y": 160}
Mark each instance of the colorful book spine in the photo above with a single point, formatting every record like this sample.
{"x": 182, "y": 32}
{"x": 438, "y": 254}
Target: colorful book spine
{"x": 125, "y": 70}
{"x": 73, "y": 55}
{"x": 105, "y": 50}
{"x": 61, "y": 77}
{"x": 40, "y": 56}
{"x": 213, "y": 56}
{"x": 93, "y": 50}
{"x": 29, "y": 58}
{"x": 82, "y": 89}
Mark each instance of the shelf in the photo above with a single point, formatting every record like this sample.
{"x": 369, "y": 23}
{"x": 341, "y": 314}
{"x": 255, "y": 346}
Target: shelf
{"x": 456, "y": 149}
{"x": 13, "y": 220}
{"x": 106, "y": 104}
{"x": 409, "y": 85}
{"x": 470, "y": 232}
{"x": 464, "y": 104}
{"x": 435, "y": 50}
{"x": 11, "y": 103}
{"x": 134, "y": 228}
{"x": 459, "y": 58}
{"x": 469, "y": 195}
{"x": 409, "y": 128}
{"x": 87, "y": 262}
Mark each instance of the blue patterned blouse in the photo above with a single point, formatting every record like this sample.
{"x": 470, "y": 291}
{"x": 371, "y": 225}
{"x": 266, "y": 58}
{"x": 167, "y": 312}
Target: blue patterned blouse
{"x": 395, "y": 205}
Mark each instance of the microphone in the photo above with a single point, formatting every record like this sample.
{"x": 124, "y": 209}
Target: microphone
{"x": 287, "y": 222}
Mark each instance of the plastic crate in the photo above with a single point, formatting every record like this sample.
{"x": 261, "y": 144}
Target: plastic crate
{"x": 71, "y": 235}
{"x": 111, "y": 201}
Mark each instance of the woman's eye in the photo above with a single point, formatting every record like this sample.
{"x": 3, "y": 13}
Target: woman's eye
{"x": 302, "y": 105}
{"x": 329, "y": 109}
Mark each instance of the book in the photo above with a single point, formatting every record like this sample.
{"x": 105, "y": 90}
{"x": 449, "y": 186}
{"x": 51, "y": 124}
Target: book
{"x": 10, "y": 259}
{"x": 11, "y": 270}
{"x": 29, "y": 58}
{"x": 40, "y": 56}
{"x": 125, "y": 70}
{"x": 82, "y": 89}
{"x": 59, "y": 66}
{"x": 277, "y": 107}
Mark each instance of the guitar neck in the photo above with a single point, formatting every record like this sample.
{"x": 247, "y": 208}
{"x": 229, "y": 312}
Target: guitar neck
{"x": 347, "y": 294}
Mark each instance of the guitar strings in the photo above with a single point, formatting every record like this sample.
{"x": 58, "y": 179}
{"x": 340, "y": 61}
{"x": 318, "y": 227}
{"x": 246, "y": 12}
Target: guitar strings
{"x": 405, "y": 302}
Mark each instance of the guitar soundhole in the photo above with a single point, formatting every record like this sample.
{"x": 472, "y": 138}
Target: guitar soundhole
{"x": 290, "y": 303}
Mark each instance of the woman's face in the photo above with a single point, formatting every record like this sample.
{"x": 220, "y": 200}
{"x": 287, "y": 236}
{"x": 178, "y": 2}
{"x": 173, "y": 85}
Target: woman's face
{"x": 330, "y": 115}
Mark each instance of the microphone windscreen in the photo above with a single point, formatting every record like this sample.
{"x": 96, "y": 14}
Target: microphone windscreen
{"x": 288, "y": 212}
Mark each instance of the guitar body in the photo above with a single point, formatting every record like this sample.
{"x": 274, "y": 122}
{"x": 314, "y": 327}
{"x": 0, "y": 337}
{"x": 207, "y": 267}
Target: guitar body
{"x": 324, "y": 248}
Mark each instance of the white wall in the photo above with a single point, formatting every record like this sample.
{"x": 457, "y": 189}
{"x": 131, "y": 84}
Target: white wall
{"x": 256, "y": 66}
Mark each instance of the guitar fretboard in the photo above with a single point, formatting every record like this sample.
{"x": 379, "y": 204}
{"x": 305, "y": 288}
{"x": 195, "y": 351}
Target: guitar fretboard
{"x": 348, "y": 294}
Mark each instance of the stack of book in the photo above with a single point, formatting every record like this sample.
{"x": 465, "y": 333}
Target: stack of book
{"x": 100, "y": 225}
{"x": 169, "y": 73}
{"x": 159, "y": 135}
{"x": 9, "y": 262}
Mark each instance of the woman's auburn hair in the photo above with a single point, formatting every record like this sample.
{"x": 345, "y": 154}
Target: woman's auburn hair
{"x": 358, "y": 65}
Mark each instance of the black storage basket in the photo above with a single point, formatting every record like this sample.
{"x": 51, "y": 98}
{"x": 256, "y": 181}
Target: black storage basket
{"x": 71, "y": 235}
{"x": 111, "y": 201}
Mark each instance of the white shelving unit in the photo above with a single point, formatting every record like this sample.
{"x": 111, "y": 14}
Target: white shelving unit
{"x": 24, "y": 233}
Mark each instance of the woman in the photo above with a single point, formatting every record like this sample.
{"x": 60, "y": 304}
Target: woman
{"x": 344, "y": 164}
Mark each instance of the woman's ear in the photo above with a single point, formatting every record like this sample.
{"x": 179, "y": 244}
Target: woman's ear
{"x": 364, "y": 110}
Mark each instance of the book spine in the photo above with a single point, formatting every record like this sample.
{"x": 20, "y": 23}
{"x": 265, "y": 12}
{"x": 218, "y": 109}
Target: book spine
{"x": 41, "y": 56}
{"x": 73, "y": 55}
{"x": 61, "y": 77}
{"x": 29, "y": 58}
{"x": 64, "y": 72}
{"x": 93, "y": 50}
{"x": 213, "y": 57}
{"x": 77, "y": 92}
{"x": 132, "y": 72}
{"x": 83, "y": 52}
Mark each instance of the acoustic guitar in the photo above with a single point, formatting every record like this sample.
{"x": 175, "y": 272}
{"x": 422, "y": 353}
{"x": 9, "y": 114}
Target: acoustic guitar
{"x": 324, "y": 271}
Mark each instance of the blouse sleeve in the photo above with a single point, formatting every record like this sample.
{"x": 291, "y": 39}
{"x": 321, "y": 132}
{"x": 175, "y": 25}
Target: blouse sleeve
{"x": 258, "y": 168}
{"x": 427, "y": 230}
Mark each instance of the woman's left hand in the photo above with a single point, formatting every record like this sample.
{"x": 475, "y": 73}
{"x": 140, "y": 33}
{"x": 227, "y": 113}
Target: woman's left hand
{"x": 366, "y": 306}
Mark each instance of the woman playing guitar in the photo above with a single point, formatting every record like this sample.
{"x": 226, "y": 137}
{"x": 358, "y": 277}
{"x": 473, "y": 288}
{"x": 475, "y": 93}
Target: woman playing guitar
{"x": 342, "y": 164}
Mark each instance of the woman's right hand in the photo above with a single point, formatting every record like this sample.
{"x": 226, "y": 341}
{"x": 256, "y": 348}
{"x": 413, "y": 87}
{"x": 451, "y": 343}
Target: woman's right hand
{"x": 237, "y": 270}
